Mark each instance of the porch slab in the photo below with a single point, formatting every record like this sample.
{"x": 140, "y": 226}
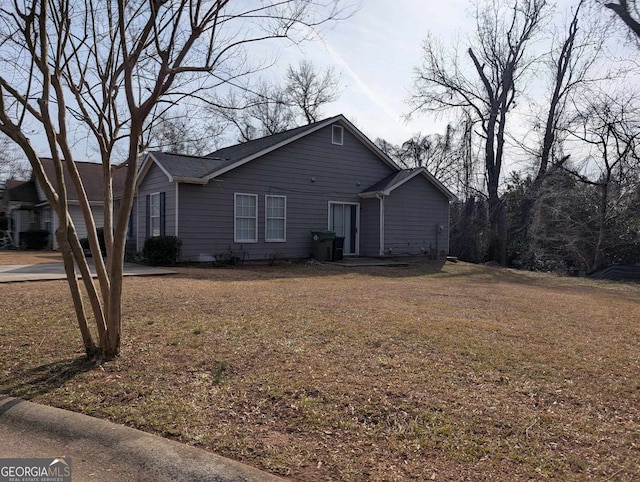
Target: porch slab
{"x": 364, "y": 262}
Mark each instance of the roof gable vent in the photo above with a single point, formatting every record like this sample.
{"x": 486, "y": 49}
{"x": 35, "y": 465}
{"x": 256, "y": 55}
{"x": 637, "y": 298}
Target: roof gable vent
{"x": 337, "y": 134}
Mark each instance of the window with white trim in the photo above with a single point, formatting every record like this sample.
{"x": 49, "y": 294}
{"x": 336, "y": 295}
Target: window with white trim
{"x": 246, "y": 218}
{"x": 154, "y": 214}
{"x": 337, "y": 134}
{"x": 275, "y": 218}
{"x": 46, "y": 219}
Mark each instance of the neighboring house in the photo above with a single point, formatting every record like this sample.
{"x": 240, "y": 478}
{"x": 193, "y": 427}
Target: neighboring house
{"x": 20, "y": 201}
{"x": 263, "y": 198}
{"x": 27, "y": 207}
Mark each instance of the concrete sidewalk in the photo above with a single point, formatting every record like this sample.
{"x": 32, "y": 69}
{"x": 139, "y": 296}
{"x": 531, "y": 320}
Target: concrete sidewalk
{"x": 52, "y": 271}
{"x": 102, "y": 451}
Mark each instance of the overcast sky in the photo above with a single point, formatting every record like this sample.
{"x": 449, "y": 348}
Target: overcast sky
{"x": 375, "y": 52}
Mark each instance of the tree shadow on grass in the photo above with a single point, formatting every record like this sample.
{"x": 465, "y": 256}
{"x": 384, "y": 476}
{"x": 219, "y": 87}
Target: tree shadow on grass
{"x": 31, "y": 382}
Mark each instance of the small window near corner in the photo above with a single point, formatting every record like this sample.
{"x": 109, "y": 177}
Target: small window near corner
{"x": 337, "y": 134}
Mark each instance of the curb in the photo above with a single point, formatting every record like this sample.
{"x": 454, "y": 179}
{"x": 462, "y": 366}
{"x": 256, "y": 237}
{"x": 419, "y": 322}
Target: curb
{"x": 138, "y": 455}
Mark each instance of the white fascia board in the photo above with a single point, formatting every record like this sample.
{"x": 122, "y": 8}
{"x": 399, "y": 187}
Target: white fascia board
{"x": 190, "y": 180}
{"x": 146, "y": 165}
{"x": 437, "y": 184}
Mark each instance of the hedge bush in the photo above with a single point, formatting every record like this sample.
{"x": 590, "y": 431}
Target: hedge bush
{"x": 162, "y": 250}
{"x": 84, "y": 242}
{"x": 35, "y": 238}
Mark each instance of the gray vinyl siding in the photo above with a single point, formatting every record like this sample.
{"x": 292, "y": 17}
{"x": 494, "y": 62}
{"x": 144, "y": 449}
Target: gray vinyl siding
{"x": 154, "y": 181}
{"x": 310, "y": 172}
{"x": 370, "y": 227}
{"x": 412, "y": 214}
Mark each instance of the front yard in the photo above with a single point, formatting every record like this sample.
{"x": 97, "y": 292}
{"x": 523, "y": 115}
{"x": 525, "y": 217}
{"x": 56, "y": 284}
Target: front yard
{"x": 458, "y": 372}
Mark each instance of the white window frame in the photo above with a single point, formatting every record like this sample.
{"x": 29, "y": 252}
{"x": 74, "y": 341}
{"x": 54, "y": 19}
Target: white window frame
{"x": 267, "y": 218}
{"x": 337, "y": 134}
{"x": 357, "y": 227}
{"x": 152, "y": 217}
{"x": 236, "y": 217}
{"x": 47, "y": 223}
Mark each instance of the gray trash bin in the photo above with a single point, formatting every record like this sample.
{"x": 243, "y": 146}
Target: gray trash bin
{"x": 322, "y": 245}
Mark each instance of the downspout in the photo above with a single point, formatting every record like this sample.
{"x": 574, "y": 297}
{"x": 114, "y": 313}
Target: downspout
{"x": 177, "y": 209}
{"x": 137, "y": 223}
{"x": 380, "y": 196}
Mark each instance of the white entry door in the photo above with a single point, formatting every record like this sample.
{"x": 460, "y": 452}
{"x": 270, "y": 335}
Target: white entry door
{"x": 344, "y": 219}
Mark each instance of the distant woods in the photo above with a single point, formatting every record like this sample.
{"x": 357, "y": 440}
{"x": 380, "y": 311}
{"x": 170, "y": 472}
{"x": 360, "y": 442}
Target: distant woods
{"x": 543, "y": 154}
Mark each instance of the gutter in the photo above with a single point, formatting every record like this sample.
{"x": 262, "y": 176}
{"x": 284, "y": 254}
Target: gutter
{"x": 189, "y": 180}
{"x": 380, "y": 196}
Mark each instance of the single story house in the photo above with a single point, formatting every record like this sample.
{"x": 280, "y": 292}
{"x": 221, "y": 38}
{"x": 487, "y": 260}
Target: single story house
{"x": 27, "y": 207}
{"x": 264, "y": 197}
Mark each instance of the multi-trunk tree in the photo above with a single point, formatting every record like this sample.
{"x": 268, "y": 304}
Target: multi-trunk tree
{"x": 95, "y": 71}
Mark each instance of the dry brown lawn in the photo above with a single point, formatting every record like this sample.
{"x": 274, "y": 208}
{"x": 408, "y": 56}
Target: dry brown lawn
{"x": 29, "y": 257}
{"x": 454, "y": 372}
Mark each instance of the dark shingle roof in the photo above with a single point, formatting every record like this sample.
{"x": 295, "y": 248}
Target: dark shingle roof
{"x": 92, "y": 179}
{"x": 21, "y": 191}
{"x": 189, "y": 167}
{"x": 390, "y": 180}
{"x": 246, "y": 149}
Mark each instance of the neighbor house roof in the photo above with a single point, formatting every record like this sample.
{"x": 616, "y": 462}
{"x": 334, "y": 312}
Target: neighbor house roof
{"x": 200, "y": 170}
{"x": 92, "y": 179}
{"x": 20, "y": 191}
{"x": 397, "y": 179}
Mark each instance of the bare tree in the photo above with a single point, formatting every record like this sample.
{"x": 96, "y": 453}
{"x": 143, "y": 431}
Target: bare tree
{"x": 268, "y": 108}
{"x": 12, "y": 165}
{"x": 609, "y": 127}
{"x": 253, "y": 113}
{"x": 499, "y": 61}
{"x": 443, "y": 155}
{"x": 103, "y": 66}
{"x": 569, "y": 63}
{"x": 309, "y": 90}
{"x": 628, "y": 13}
{"x": 182, "y": 131}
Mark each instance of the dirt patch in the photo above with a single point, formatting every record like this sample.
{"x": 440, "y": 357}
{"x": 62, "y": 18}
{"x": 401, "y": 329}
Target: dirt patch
{"x": 458, "y": 372}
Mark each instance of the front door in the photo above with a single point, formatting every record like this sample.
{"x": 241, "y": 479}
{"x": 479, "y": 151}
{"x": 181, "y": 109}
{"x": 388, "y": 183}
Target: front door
{"x": 344, "y": 219}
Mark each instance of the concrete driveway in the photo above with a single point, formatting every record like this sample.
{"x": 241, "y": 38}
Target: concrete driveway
{"x": 11, "y": 273}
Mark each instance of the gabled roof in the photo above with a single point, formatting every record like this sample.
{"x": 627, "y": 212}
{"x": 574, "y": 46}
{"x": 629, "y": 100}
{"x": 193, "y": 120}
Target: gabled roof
{"x": 397, "y": 179}
{"x": 200, "y": 170}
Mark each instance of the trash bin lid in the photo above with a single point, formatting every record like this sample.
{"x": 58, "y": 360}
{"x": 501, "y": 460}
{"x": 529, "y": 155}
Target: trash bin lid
{"x": 323, "y": 235}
